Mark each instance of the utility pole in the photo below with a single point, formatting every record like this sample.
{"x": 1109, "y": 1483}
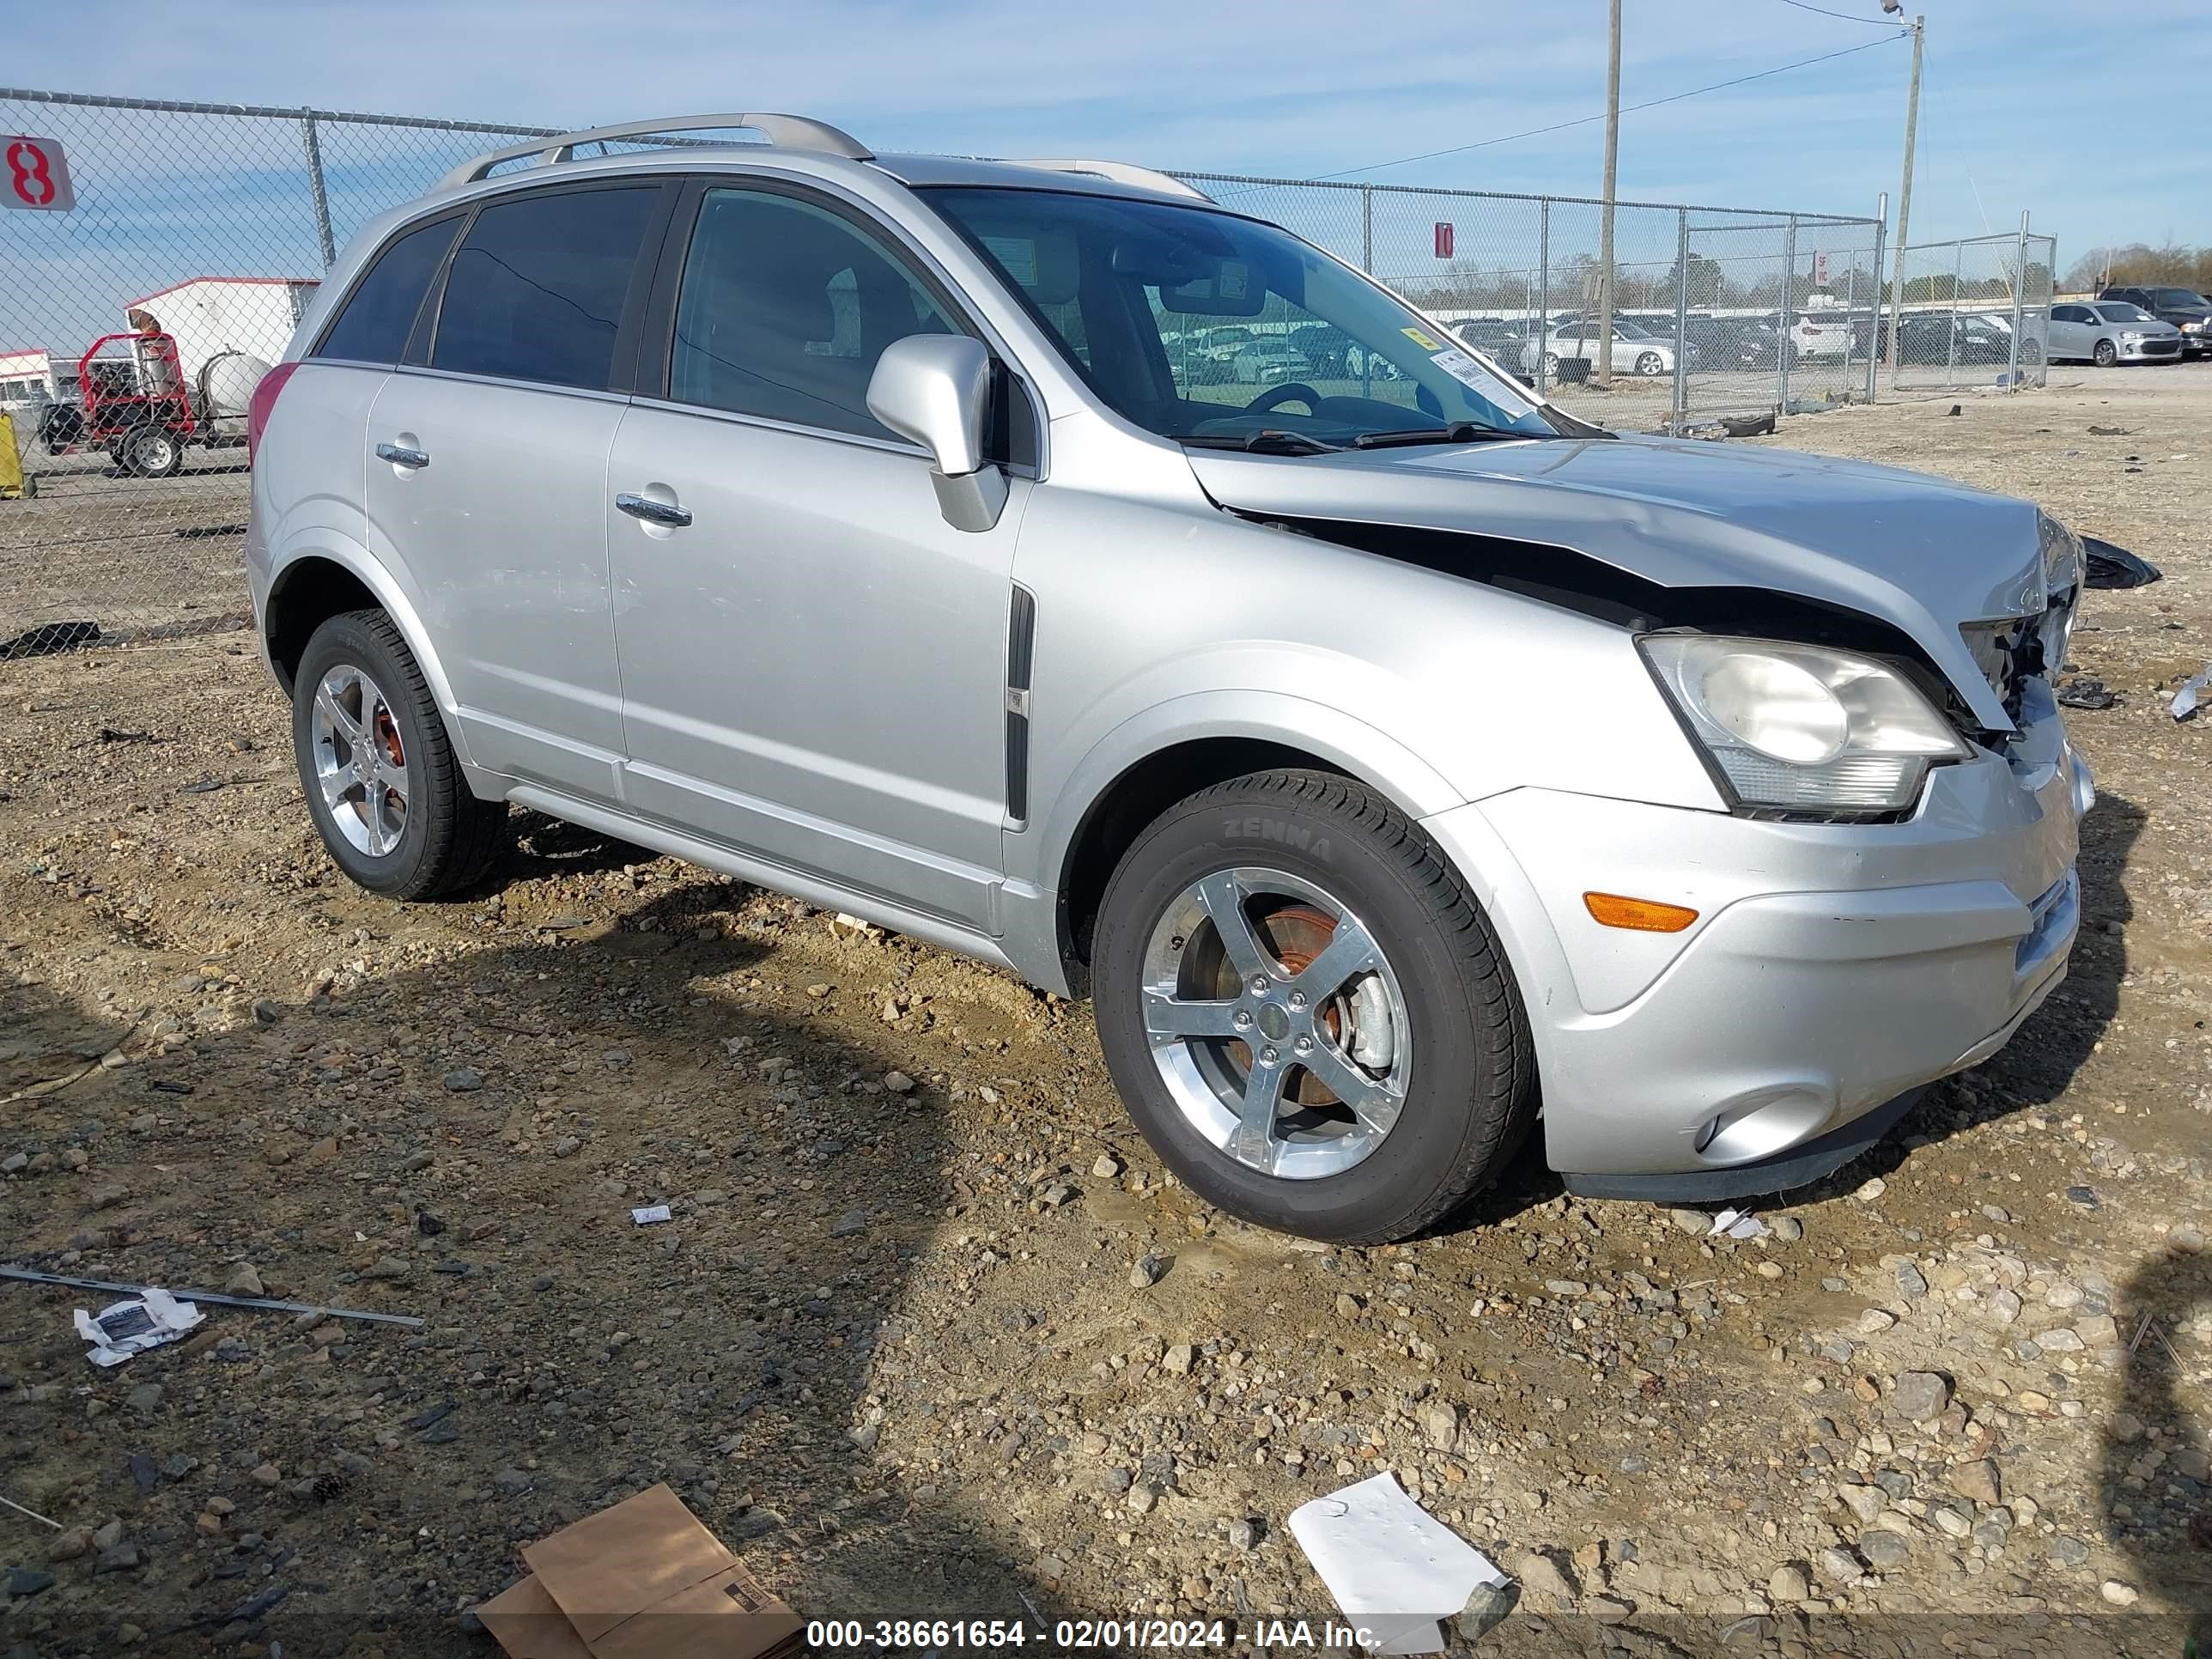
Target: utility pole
{"x": 1905, "y": 196}
{"x": 1612, "y": 166}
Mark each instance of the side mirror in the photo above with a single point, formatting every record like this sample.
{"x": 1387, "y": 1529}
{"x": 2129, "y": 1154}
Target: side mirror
{"x": 936, "y": 389}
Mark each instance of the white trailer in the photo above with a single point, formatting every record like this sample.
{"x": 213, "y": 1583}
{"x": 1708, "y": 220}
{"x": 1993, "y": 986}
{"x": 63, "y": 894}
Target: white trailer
{"x": 212, "y": 317}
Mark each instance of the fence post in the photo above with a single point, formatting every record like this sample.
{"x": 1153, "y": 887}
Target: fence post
{"x": 1367, "y": 228}
{"x": 1681, "y": 320}
{"x": 1543, "y": 290}
{"x": 2019, "y": 301}
{"x": 2050, "y": 294}
{"x": 1850, "y": 323}
{"x": 1951, "y": 347}
{"x": 1782, "y": 318}
{"x": 1873, "y": 340}
{"x": 314, "y": 146}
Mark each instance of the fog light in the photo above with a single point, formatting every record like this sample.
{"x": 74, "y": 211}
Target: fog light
{"x": 1761, "y": 1126}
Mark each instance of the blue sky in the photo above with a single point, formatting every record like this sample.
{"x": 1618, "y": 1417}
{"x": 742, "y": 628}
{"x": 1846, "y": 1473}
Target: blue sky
{"x": 2036, "y": 104}
{"x": 2022, "y": 94}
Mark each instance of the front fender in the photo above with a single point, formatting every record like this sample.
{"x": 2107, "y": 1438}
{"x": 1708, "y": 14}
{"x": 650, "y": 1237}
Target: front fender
{"x": 1345, "y": 742}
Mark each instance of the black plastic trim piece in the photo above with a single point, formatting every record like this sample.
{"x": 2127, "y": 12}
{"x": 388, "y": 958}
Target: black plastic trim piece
{"x": 1798, "y": 1167}
{"x": 1021, "y": 645}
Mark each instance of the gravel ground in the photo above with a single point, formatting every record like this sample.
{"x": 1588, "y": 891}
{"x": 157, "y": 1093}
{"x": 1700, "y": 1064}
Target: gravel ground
{"x": 930, "y": 1331}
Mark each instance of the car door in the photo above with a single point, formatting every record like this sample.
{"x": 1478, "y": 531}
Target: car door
{"x": 813, "y": 661}
{"x": 2072, "y": 332}
{"x": 486, "y": 474}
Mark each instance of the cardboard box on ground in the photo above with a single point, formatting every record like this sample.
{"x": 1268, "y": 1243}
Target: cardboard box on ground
{"x": 641, "y": 1580}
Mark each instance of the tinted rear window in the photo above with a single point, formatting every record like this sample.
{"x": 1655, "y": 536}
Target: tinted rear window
{"x": 536, "y": 291}
{"x": 373, "y": 324}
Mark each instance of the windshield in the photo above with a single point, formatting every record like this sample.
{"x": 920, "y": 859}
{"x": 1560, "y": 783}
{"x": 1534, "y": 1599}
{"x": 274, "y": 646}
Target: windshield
{"x": 1130, "y": 293}
{"x": 2178, "y": 299}
{"x": 2123, "y": 312}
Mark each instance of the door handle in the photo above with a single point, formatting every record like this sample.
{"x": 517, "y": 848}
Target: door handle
{"x": 653, "y": 512}
{"x": 400, "y": 455}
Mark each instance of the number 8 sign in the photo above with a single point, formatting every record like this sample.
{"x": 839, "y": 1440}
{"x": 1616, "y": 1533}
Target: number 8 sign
{"x": 34, "y": 174}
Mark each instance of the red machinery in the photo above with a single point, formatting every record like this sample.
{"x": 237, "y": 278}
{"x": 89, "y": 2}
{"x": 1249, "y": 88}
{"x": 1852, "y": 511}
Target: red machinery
{"x": 143, "y": 414}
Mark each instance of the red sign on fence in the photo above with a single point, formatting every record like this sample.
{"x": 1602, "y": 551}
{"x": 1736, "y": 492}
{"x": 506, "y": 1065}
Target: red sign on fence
{"x": 1444, "y": 239}
{"x": 36, "y": 175}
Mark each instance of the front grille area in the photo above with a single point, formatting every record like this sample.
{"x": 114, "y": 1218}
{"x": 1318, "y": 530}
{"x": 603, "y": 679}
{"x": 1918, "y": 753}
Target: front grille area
{"x": 2011, "y": 654}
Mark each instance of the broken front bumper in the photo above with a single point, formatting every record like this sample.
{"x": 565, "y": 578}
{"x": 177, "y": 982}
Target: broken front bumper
{"x": 1833, "y": 968}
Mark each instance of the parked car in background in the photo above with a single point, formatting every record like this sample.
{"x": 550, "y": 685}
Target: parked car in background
{"x": 1953, "y": 339}
{"x": 1496, "y": 339}
{"x": 1380, "y": 769}
{"x": 2190, "y": 312}
{"x": 2111, "y": 332}
{"x": 1757, "y": 342}
{"x": 1822, "y": 332}
{"x": 1634, "y": 352}
{"x": 1270, "y": 362}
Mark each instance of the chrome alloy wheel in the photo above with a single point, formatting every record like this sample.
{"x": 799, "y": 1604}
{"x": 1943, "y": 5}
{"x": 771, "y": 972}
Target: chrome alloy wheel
{"x": 361, "y": 764}
{"x": 1276, "y": 1024}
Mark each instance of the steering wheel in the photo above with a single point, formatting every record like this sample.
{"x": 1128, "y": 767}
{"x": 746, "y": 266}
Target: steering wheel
{"x": 1291, "y": 392}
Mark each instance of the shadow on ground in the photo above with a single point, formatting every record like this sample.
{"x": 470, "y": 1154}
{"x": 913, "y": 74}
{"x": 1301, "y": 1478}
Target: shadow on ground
{"x": 569, "y": 1358}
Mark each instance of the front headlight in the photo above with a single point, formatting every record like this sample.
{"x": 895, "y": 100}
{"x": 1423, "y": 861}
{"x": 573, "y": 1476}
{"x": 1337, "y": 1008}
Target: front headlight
{"x": 2131, "y": 339}
{"x": 1801, "y": 726}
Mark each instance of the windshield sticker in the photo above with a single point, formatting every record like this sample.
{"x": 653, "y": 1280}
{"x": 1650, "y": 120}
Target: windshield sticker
{"x": 1464, "y": 369}
{"x": 1421, "y": 339}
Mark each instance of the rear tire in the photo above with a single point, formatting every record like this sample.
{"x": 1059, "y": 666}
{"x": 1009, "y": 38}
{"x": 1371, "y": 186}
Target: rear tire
{"x": 1437, "y": 1040}
{"x": 381, "y": 780}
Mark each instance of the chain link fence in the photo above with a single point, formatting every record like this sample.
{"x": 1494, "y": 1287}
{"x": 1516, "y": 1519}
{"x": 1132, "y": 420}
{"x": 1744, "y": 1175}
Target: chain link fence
{"x": 211, "y": 225}
{"x": 1974, "y": 313}
{"x": 1716, "y": 311}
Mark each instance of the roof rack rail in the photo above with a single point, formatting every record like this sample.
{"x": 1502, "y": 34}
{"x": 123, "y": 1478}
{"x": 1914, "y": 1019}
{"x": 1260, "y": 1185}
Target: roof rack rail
{"x": 1121, "y": 172}
{"x": 784, "y": 132}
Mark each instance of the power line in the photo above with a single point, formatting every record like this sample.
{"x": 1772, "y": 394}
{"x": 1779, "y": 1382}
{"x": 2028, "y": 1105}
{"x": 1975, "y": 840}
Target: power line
{"x": 1849, "y": 17}
{"x": 1626, "y": 109}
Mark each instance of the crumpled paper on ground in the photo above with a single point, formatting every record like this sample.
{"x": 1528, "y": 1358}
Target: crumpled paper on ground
{"x": 1393, "y": 1567}
{"x": 136, "y": 1324}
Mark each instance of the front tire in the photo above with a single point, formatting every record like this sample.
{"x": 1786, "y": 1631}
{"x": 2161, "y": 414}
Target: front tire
{"x": 1307, "y": 1014}
{"x": 2106, "y": 354}
{"x": 377, "y": 770}
{"x": 1650, "y": 363}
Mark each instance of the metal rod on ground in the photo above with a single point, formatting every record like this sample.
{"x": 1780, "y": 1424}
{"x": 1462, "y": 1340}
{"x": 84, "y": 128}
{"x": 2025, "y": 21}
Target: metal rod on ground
{"x": 269, "y": 1303}
{"x": 1681, "y": 321}
{"x": 1904, "y": 194}
{"x": 1605, "y": 226}
{"x": 2019, "y": 294}
{"x": 314, "y": 145}
{"x": 1873, "y": 340}
{"x": 33, "y": 1513}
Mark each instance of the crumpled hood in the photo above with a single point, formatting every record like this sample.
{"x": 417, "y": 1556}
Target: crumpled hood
{"x": 1920, "y": 553}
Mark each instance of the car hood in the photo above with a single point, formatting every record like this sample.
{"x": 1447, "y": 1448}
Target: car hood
{"x": 1923, "y": 554}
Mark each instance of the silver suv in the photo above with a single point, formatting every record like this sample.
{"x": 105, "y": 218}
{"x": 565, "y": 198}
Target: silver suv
{"x": 1396, "y": 760}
